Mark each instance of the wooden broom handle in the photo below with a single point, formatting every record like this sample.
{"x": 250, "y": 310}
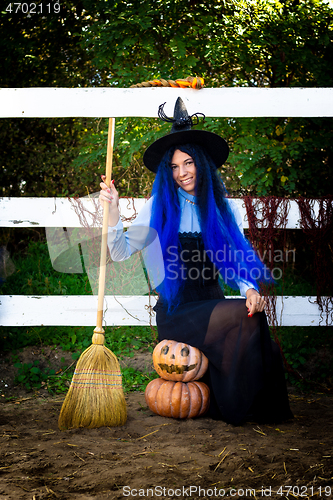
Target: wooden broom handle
{"x": 102, "y": 267}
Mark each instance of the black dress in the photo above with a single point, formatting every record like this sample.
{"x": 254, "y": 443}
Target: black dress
{"x": 245, "y": 373}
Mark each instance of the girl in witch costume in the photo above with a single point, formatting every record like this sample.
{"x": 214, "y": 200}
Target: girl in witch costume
{"x": 201, "y": 238}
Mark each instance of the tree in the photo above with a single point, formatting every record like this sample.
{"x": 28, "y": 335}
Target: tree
{"x": 251, "y": 43}
{"x": 233, "y": 43}
{"x": 243, "y": 43}
{"x": 43, "y": 51}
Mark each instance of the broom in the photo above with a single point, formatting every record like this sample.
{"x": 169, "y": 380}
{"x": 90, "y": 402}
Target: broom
{"x": 95, "y": 397}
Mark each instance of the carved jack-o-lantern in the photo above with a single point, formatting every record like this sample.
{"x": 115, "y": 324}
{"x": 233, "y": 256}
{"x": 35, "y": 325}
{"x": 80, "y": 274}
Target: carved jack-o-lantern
{"x": 177, "y": 399}
{"x": 178, "y": 361}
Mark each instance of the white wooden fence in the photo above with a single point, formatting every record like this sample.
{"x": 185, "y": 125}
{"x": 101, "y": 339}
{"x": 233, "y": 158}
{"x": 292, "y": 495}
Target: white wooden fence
{"x": 118, "y": 102}
{"x": 107, "y": 102}
{"x": 119, "y": 310}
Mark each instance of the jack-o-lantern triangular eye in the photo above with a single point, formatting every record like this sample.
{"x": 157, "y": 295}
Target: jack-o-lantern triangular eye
{"x": 185, "y": 352}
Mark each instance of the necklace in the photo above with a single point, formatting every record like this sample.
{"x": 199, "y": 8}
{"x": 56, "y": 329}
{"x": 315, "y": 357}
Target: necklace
{"x": 189, "y": 201}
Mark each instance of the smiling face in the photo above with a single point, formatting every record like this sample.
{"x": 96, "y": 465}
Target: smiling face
{"x": 184, "y": 171}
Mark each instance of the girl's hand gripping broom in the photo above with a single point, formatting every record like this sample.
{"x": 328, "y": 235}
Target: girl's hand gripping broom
{"x": 95, "y": 397}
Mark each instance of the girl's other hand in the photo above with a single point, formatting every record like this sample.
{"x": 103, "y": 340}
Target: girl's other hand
{"x": 254, "y": 302}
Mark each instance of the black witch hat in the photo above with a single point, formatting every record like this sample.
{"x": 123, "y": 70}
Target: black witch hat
{"x": 181, "y": 133}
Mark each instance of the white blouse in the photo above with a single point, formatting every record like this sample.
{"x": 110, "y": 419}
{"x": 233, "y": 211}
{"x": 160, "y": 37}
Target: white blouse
{"x": 123, "y": 244}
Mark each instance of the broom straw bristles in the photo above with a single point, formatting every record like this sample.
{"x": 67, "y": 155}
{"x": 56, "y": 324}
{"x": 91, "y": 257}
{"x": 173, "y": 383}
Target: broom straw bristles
{"x": 95, "y": 397}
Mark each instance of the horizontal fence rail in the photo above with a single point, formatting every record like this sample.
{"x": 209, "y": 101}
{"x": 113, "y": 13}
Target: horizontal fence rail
{"x": 80, "y": 310}
{"x": 60, "y": 212}
{"x": 119, "y": 102}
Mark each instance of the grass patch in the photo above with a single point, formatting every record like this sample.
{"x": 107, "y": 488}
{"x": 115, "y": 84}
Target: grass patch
{"x": 308, "y": 352}
{"x": 34, "y": 275}
{"x": 123, "y": 341}
{"x": 134, "y": 380}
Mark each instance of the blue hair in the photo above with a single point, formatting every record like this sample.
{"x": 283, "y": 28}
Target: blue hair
{"x": 165, "y": 219}
{"x": 219, "y": 229}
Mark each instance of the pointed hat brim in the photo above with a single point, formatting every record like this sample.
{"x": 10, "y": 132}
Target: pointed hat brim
{"x": 213, "y": 144}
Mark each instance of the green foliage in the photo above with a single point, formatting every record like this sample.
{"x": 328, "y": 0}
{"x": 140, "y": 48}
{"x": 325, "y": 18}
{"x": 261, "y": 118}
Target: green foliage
{"x": 307, "y": 351}
{"x": 279, "y": 44}
{"x": 147, "y": 39}
{"x": 30, "y": 376}
{"x": 34, "y": 275}
{"x": 37, "y": 157}
{"x": 277, "y": 156}
{"x": 58, "y": 383}
{"x": 255, "y": 44}
{"x": 233, "y": 44}
{"x": 122, "y": 341}
{"x": 308, "y": 354}
{"x": 43, "y": 51}
{"x": 134, "y": 380}
{"x": 132, "y": 136}
{"x": 296, "y": 357}
{"x": 228, "y": 43}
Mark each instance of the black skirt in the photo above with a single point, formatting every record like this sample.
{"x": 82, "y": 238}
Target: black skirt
{"x": 245, "y": 373}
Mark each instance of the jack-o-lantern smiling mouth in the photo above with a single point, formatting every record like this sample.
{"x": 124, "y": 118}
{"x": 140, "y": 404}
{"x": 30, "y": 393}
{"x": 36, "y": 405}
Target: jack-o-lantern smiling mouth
{"x": 176, "y": 368}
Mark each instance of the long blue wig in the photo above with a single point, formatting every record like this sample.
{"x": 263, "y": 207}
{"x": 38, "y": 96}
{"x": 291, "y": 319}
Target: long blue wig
{"x": 220, "y": 232}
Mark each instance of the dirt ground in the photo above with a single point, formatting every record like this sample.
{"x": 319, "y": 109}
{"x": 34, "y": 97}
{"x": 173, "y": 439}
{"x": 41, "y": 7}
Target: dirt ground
{"x": 156, "y": 457}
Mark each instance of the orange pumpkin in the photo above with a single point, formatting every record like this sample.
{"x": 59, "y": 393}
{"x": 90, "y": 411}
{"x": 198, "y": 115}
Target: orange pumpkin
{"x": 177, "y": 399}
{"x": 178, "y": 361}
